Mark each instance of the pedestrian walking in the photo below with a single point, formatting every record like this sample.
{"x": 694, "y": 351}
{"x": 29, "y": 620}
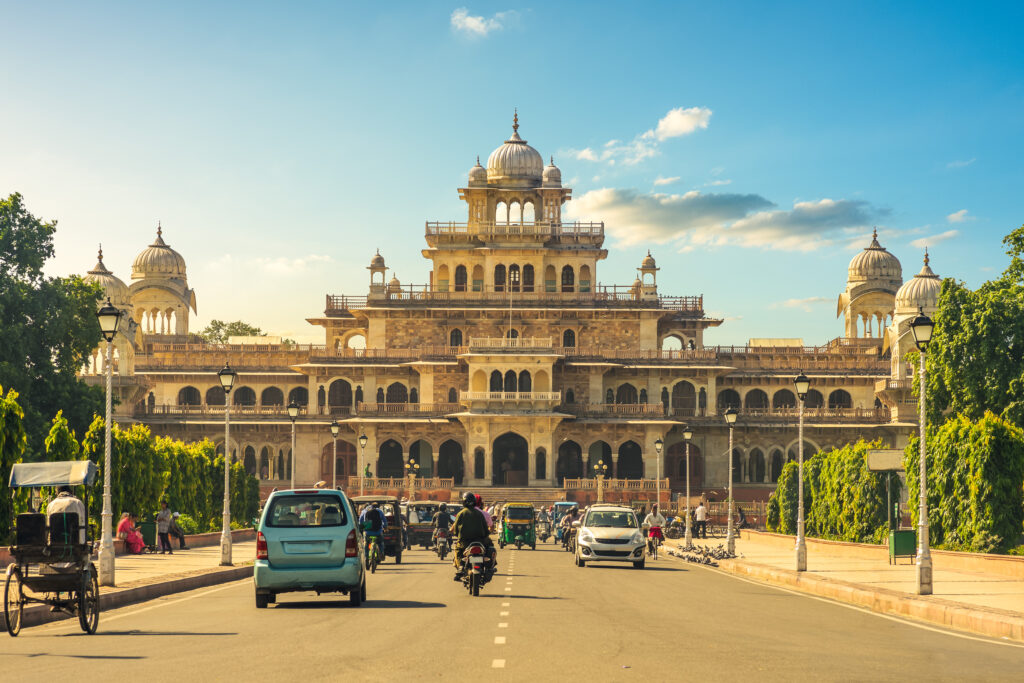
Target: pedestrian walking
{"x": 175, "y": 531}
{"x": 163, "y": 525}
{"x": 700, "y": 517}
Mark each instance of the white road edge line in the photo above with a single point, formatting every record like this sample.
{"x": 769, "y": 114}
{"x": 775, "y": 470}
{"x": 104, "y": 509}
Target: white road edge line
{"x": 858, "y": 608}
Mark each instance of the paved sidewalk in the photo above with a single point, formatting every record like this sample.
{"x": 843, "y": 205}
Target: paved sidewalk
{"x": 136, "y": 570}
{"x": 985, "y": 602}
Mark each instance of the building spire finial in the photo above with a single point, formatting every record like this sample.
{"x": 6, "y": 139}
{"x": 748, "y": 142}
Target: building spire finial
{"x": 874, "y": 233}
{"x": 515, "y": 120}
{"x": 926, "y": 259}
{"x": 159, "y": 230}
{"x": 477, "y": 159}
{"x": 101, "y": 252}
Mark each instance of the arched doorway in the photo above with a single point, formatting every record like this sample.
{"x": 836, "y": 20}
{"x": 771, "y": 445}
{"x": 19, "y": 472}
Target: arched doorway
{"x": 389, "y": 460}
{"x": 570, "y": 462}
{"x": 422, "y": 453}
{"x": 249, "y": 462}
{"x": 599, "y": 451}
{"x": 684, "y": 399}
{"x": 449, "y": 461}
{"x": 510, "y": 461}
{"x": 542, "y": 464}
{"x": 478, "y": 463}
{"x": 631, "y": 461}
{"x": 265, "y": 456}
{"x": 346, "y": 463}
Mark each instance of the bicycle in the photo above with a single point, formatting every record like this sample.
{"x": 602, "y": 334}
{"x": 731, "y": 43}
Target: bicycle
{"x": 374, "y": 556}
{"x": 652, "y": 545}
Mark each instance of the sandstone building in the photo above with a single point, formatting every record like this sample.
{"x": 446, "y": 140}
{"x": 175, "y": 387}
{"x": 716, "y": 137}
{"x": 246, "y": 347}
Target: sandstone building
{"x": 514, "y": 365}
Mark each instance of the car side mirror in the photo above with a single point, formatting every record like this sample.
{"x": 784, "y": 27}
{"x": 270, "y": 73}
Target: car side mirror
{"x": 575, "y": 525}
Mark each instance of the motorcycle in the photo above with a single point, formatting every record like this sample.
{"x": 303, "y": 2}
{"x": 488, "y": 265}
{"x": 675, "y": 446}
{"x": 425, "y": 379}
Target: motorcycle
{"x": 543, "y": 531}
{"x": 441, "y": 546}
{"x": 478, "y": 567}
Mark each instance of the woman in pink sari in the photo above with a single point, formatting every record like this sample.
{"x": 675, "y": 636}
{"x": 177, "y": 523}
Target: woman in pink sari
{"x": 130, "y": 535}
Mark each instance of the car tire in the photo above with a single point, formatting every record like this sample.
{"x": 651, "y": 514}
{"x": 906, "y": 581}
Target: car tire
{"x": 580, "y": 562}
{"x": 639, "y": 565}
{"x": 271, "y": 598}
{"x": 357, "y": 595}
{"x": 261, "y": 600}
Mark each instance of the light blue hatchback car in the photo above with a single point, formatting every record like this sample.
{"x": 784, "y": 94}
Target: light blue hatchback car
{"x": 308, "y": 540}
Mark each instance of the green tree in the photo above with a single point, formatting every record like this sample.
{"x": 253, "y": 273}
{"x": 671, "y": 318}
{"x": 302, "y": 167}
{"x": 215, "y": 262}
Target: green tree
{"x": 12, "y": 448}
{"x": 47, "y": 328}
{"x": 61, "y": 443}
{"x": 976, "y": 359}
{"x": 218, "y": 331}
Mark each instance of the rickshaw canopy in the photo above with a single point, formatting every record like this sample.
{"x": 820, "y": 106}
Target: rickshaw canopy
{"x": 62, "y": 473}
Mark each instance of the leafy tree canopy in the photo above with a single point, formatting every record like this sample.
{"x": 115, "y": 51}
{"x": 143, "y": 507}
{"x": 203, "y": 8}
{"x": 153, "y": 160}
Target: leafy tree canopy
{"x": 47, "y": 328}
{"x": 976, "y": 358}
{"x": 218, "y": 331}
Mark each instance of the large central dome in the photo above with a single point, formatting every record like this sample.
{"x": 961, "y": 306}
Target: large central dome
{"x": 515, "y": 163}
{"x": 158, "y": 259}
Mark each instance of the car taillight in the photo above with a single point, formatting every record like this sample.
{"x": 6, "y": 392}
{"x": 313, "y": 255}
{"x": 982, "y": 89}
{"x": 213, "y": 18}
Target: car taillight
{"x": 476, "y": 550}
{"x": 261, "y": 546}
{"x": 351, "y": 546}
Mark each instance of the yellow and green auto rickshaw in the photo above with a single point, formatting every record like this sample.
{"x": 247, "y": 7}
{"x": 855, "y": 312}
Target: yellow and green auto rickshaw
{"x": 517, "y": 526}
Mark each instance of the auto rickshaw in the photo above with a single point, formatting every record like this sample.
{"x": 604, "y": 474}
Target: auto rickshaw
{"x": 517, "y": 526}
{"x": 421, "y": 527}
{"x": 558, "y": 510}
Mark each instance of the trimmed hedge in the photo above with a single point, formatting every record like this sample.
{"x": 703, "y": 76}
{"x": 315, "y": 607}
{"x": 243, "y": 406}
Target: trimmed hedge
{"x": 975, "y": 477}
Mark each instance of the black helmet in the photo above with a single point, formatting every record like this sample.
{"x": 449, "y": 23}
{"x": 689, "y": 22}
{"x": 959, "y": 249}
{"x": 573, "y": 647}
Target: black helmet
{"x": 469, "y": 500}
{"x": 444, "y": 507}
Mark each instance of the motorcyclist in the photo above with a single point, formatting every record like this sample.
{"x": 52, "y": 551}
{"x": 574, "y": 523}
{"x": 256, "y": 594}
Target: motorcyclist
{"x": 487, "y": 515}
{"x": 373, "y": 522}
{"x": 470, "y": 526}
{"x": 442, "y": 519}
{"x": 566, "y": 524}
{"x": 543, "y": 516}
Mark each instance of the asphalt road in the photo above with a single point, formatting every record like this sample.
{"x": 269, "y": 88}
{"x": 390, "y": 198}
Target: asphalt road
{"x": 541, "y": 619}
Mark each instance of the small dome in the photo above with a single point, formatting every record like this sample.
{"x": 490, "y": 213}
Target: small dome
{"x": 920, "y": 291}
{"x": 377, "y": 261}
{"x": 477, "y": 175}
{"x": 112, "y": 285}
{"x": 648, "y": 262}
{"x": 552, "y": 175}
{"x": 158, "y": 259}
{"x": 874, "y": 263}
{"x": 394, "y": 285}
{"x": 515, "y": 160}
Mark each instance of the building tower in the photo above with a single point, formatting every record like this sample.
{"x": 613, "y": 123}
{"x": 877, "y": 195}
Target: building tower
{"x": 867, "y": 304}
{"x": 160, "y": 296}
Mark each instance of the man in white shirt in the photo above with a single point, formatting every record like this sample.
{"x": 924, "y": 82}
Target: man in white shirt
{"x": 654, "y": 521}
{"x": 66, "y": 502}
{"x": 700, "y": 517}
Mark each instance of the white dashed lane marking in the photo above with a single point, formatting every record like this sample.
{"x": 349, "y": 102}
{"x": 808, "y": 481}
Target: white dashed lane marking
{"x": 502, "y": 614}
{"x": 499, "y": 640}
{"x": 503, "y": 624}
{"x": 498, "y": 664}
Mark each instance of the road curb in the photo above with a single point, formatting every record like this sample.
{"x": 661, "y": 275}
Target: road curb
{"x": 985, "y": 621}
{"x": 41, "y": 614}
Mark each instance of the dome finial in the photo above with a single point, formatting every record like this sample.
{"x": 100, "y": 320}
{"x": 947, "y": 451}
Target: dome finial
{"x": 515, "y": 120}
{"x": 159, "y": 230}
{"x": 100, "y": 256}
{"x": 926, "y": 256}
{"x": 874, "y": 233}
{"x": 477, "y": 159}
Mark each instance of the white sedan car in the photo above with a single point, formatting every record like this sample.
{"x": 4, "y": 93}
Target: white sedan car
{"x": 610, "y": 533}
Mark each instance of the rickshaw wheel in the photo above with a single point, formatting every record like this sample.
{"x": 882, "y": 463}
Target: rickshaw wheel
{"x": 89, "y": 603}
{"x": 14, "y": 600}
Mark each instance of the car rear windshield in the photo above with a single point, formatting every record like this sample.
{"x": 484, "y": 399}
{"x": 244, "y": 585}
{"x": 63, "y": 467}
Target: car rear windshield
{"x": 520, "y": 513}
{"x": 622, "y": 520}
{"x": 306, "y": 510}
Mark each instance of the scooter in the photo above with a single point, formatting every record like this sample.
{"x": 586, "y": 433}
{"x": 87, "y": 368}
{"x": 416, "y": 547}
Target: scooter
{"x": 441, "y": 543}
{"x": 477, "y": 567}
{"x": 543, "y": 531}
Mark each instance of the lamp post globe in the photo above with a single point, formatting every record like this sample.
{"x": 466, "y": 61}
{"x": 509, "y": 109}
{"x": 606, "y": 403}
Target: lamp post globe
{"x": 293, "y": 412}
{"x": 226, "y": 376}
{"x": 362, "y": 455}
{"x": 659, "y": 446}
{"x": 803, "y": 385}
{"x": 921, "y": 327}
{"x": 108, "y": 317}
{"x": 730, "y": 539}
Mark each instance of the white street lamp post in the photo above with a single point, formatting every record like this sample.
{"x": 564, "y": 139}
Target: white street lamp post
{"x": 109, "y": 316}
{"x": 293, "y": 412}
{"x": 227, "y": 381}
{"x": 362, "y": 460}
{"x": 687, "y": 435}
{"x": 600, "y": 469}
{"x": 335, "y": 428}
{"x": 922, "y": 327}
{"x": 659, "y": 446}
{"x": 730, "y": 534}
{"x": 803, "y": 385}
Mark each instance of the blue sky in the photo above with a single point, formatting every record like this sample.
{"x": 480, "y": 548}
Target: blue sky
{"x": 752, "y": 145}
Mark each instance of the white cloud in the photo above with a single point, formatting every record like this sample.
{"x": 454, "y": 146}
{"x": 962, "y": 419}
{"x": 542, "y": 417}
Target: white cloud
{"x": 479, "y": 26}
{"x": 934, "y": 239}
{"x": 718, "y": 183}
{"x": 666, "y": 181}
{"x": 679, "y": 122}
{"x": 747, "y": 220}
{"x": 958, "y": 216}
{"x": 803, "y": 304}
{"x": 585, "y": 154}
{"x": 960, "y": 164}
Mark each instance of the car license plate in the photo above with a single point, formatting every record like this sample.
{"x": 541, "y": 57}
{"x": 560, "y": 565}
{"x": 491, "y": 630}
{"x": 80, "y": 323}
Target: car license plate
{"x": 476, "y": 560}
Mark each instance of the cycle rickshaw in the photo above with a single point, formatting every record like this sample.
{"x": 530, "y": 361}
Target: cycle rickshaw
{"x": 52, "y": 566}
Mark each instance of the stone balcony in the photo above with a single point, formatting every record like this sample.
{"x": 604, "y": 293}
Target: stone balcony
{"x": 518, "y": 401}
{"x": 482, "y": 232}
